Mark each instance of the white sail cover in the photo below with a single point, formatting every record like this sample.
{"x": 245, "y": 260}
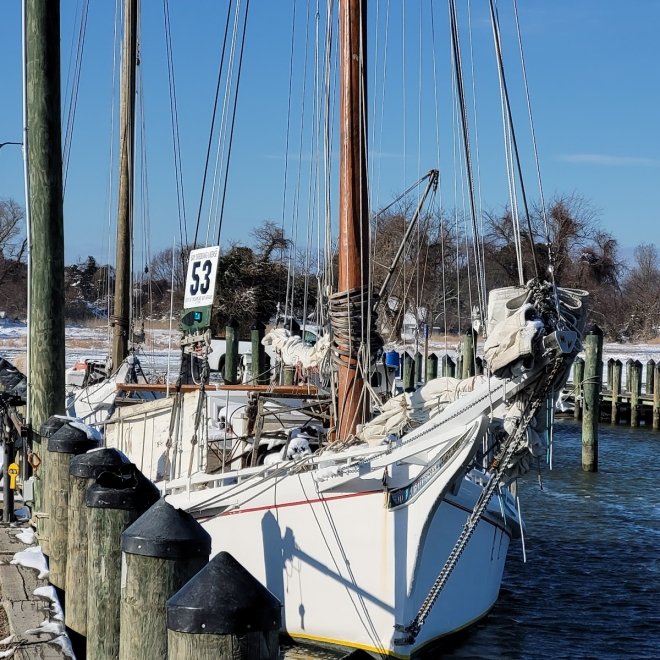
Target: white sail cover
{"x": 293, "y": 351}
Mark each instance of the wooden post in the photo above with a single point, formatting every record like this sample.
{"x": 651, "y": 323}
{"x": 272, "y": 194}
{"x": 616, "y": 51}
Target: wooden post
{"x": 616, "y": 391}
{"x": 578, "y": 377}
{"x": 231, "y": 353}
{"x": 163, "y": 549}
{"x": 40, "y": 447}
{"x": 448, "y": 366}
{"x": 113, "y": 503}
{"x": 629, "y": 364}
{"x": 635, "y": 392}
{"x": 656, "y": 398}
{"x": 63, "y": 445}
{"x": 431, "y": 367}
{"x": 610, "y": 372}
{"x": 418, "y": 367}
{"x": 44, "y": 148}
{"x": 223, "y": 612}
{"x": 408, "y": 373}
{"x": 467, "y": 355}
{"x": 259, "y": 375}
{"x": 593, "y": 377}
{"x": 83, "y": 470}
{"x": 478, "y": 366}
{"x": 288, "y": 372}
{"x": 650, "y": 376}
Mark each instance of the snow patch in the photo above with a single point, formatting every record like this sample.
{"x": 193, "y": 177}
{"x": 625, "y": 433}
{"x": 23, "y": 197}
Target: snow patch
{"x": 48, "y": 593}
{"x": 27, "y": 536}
{"x": 32, "y": 558}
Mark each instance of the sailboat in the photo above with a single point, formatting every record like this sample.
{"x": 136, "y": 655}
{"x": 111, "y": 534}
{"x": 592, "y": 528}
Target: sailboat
{"x": 395, "y": 533}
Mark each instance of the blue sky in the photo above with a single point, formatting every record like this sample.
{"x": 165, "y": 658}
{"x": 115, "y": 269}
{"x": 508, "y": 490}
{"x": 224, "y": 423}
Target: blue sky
{"x": 594, "y": 85}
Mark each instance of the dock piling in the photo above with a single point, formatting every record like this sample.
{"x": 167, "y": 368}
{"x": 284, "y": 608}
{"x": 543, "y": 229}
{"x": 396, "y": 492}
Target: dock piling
{"x": 593, "y": 376}
{"x": 617, "y": 369}
{"x": 578, "y": 378}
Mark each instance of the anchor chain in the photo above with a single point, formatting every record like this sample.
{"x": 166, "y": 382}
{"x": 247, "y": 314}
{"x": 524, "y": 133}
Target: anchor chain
{"x": 511, "y": 446}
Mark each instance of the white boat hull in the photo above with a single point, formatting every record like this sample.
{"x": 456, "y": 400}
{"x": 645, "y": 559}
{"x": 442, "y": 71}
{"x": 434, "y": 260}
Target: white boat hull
{"x": 347, "y": 566}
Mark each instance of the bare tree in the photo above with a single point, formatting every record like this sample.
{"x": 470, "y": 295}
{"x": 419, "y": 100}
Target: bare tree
{"x": 13, "y": 244}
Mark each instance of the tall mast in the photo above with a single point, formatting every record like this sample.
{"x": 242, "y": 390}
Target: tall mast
{"x": 353, "y": 198}
{"x": 122, "y": 302}
{"x": 46, "y": 331}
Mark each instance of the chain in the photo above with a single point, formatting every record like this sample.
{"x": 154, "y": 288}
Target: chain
{"x": 511, "y": 446}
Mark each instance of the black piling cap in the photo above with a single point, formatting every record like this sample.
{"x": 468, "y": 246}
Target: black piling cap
{"x": 106, "y": 459}
{"x": 69, "y": 439}
{"x": 167, "y": 533}
{"x": 130, "y": 491}
{"x": 223, "y": 599}
{"x": 52, "y": 424}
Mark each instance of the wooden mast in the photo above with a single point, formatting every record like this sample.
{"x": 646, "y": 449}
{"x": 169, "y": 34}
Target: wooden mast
{"x": 46, "y": 329}
{"x": 353, "y": 199}
{"x": 122, "y": 301}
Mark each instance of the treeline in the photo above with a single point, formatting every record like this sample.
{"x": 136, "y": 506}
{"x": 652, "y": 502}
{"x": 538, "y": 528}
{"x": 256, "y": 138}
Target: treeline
{"x": 438, "y": 282}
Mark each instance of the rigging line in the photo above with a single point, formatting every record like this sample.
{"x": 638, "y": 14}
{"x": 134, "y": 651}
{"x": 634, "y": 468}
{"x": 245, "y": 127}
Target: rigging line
{"x": 174, "y": 122}
{"x": 233, "y": 118}
{"x": 286, "y": 148}
{"x": 214, "y": 203}
{"x": 481, "y": 268}
{"x": 466, "y": 139}
{"x": 498, "y": 49}
{"x": 534, "y": 143}
{"x": 291, "y": 267}
{"x": 213, "y": 116}
{"x": 73, "y": 100}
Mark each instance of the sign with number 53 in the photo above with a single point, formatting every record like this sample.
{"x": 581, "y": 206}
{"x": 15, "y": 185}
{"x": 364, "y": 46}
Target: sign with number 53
{"x": 200, "y": 280}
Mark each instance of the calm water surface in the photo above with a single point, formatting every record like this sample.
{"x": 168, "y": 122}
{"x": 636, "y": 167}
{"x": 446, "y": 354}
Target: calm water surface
{"x": 591, "y": 584}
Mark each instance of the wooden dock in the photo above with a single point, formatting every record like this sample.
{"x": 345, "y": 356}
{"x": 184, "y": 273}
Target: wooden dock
{"x": 29, "y": 622}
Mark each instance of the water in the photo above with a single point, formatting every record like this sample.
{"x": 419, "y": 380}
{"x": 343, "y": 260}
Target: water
{"x": 591, "y": 584}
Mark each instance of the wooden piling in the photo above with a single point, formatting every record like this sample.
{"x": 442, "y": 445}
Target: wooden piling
{"x": 259, "y": 375}
{"x": 431, "y": 367}
{"x": 83, "y": 470}
{"x": 635, "y": 390}
{"x": 650, "y": 377}
{"x": 448, "y": 366}
{"x": 223, "y": 612}
{"x": 408, "y": 373}
{"x": 288, "y": 373}
{"x": 63, "y": 445}
{"x": 418, "y": 367}
{"x": 478, "y": 366}
{"x": 162, "y": 550}
{"x": 617, "y": 369}
{"x": 578, "y": 378}
{"x": 113, "y": 503}
{"x": 40, "y": 450}
{"x": 629, "y": 364}
{"x": 469, "y": 347}
{"x": 610, "y": 372}
{"x": 656, "y": 397}
{"x": 593, "y": 376}
{"x": 231, "y": 353}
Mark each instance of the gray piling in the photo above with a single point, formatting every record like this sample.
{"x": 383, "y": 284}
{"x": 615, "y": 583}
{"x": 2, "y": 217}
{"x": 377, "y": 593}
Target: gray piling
{"x": 467, "y": 356}
{"x": 223, "y": 613}
{"x": 610, "y": 372}
{"x": 593, "y": 377}
{"x": 113, "y": 503}
{"x": 162, "y": 550}
{"x": 617, "y": 370}
{"x": 84, "y": 469}
{"x": 635, "y": 390}
{"x": 431, "y": 367}
{"x": 650, "y": 377}
{"x": 578, "y": 377}
{"x": 408, "y": 373}
{"x": 63, "y": 445}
